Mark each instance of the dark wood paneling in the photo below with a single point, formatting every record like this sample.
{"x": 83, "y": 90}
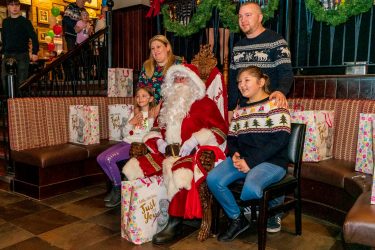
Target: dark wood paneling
{"x": 131, "y": 33}
{"x": 340, "y": 86}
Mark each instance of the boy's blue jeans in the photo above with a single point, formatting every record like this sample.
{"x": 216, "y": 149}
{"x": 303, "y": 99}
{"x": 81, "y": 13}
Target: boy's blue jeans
{"x": 256, "y": 180}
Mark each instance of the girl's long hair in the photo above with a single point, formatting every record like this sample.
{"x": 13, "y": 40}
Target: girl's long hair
{"x": 150, "y": 63}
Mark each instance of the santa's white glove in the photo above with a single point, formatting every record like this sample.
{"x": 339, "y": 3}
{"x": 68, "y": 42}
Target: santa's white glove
{"x": 188, "y": 146}
{"x": 161, "y": 145}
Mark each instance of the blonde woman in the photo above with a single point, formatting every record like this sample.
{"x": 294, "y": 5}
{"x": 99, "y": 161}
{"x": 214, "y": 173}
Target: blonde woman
{"x": 154, "y": 68}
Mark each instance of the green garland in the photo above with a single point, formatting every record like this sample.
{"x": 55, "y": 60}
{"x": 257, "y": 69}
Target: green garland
{"x": 343, "y": 12}
{"x": 227, "y": 12}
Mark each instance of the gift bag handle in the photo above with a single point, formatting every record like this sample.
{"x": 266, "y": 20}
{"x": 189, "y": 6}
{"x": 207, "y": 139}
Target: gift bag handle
{"x": 328, "y": 120}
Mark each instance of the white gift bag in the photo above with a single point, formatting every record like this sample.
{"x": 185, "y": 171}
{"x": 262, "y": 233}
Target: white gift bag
{"x": 84, "y": 124}
{"x": 364, "y": 161}
{"x": 120, "y": 82}
{"x": 319, "y": 133}
{"x": 144, "y": 208}
{"x": 118, "y": 116}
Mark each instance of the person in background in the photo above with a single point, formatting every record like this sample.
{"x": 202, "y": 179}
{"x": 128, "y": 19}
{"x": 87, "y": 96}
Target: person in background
{"x": 72, "y": 15}
{"x": 258, "y": 141}
{"x": 101, "y": 21}
{"x": 99, "y": 25}
{"x": 83, "y": 27}
{"x": 136, "y": 127}
{"x": 263, "y": 48}
{"x": 16, "y": 33}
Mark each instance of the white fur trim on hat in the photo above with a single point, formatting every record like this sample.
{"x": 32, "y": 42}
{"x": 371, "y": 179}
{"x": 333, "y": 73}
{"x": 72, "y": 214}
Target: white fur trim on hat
{"x": 193, "y": 76}
{"x": 168, "y": 176}
{"x": 132, "y": 170}
{"x": 206, "y": 137}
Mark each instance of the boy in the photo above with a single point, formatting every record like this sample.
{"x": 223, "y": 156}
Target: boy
{"x": 16, "y": 32}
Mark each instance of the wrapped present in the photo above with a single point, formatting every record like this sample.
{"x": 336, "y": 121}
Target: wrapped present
{"x": 84, "y": 124}
{"x": 118, "y": 115}
{"x": 364, "y": 161}
{"x": 144, "y": 208}
{"x": 319, "y": 133}
{"x": 120, "y": 82}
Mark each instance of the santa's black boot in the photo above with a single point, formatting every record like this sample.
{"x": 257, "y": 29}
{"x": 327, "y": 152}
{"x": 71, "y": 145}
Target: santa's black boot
{"x": 169, "y": 233}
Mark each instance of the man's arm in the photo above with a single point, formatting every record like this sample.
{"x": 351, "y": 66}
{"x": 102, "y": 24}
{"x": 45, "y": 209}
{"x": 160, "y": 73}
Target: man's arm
{"x": 34, "y": 40}
{"x": 233, "y": 92}
{"x": 284, "y": 68}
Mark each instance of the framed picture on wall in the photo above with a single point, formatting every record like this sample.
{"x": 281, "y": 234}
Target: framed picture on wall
{"x": 28, "y": 2}
{"x": 42, "y": 33}
{"x": 43, "y": 16}
{"x": 3, "y": 15}
{"x": 93, "y": 4}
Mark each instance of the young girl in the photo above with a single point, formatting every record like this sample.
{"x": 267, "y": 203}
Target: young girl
{"x": 140, "y": 122}
{"x": 258, "y": 145}
{"x": 83, "y": 27}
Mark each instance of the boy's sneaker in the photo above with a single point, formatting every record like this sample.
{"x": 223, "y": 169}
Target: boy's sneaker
{"x": 274, "y": 224}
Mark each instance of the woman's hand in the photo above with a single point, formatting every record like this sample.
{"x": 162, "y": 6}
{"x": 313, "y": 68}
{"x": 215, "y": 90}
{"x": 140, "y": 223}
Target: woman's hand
{"x": 154, "y": 112}
{"x": 239, "y": 163}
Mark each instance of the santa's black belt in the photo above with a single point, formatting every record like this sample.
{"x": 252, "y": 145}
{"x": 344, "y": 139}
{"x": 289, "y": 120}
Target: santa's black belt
{"x": 172, "y": 149}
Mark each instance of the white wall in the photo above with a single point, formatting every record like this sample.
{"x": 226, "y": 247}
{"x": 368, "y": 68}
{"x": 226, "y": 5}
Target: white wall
{"x": 126, "y": 3}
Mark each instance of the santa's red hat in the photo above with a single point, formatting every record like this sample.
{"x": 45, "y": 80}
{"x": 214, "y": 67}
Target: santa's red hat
{"x": 188, "y": 70}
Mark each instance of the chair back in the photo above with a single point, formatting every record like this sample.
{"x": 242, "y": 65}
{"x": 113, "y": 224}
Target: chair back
{"x": 295, "y": 148}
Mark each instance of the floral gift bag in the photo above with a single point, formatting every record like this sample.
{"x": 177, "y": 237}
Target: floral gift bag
{"x": 118, "y": 115}
{"x": 364, "y": 161}
{"x": 319, "y": 133}
{"x": 120, "y": 82}
{"x": 144, "y": 208}
{"x": 84, "y": 124}
{"x": 373, "y": 189}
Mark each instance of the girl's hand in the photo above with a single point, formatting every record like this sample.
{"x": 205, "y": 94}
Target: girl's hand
{"x": 89, "y": 29}
{"x": 137, "y": 119}
{"x": 240, "y": 164}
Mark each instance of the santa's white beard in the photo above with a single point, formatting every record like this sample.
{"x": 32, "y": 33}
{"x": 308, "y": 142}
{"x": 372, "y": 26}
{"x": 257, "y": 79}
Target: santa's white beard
{"x": 176, "y": 106}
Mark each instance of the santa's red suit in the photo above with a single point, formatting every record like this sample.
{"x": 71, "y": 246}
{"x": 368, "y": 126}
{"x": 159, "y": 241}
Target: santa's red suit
{"x": 182, "y": 175}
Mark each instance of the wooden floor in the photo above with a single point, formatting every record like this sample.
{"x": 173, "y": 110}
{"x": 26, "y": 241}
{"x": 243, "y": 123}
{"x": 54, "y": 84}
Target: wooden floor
{"x": 79, "y": 220}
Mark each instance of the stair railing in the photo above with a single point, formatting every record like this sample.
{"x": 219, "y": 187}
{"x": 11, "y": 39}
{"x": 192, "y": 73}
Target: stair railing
{"x": 79, "y": 72}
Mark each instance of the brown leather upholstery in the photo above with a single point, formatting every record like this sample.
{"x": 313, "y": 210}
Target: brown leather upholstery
{"x": 331, "y": 171}
{"x": 359, "y": 225}
{"x": 94, "y": 150}
{"x": 52, "y": 155}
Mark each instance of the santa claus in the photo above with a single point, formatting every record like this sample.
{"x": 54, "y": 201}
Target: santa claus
{"x": 191, "y": 121}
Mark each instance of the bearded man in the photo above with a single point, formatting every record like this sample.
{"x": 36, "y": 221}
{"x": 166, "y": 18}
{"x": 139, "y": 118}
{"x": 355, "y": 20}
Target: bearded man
{"x": 188, "y": 122}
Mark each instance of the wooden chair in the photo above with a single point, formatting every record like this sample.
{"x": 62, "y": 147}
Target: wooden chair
{"x": 289, "y": 184}
{"x": 206, "y": 63}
